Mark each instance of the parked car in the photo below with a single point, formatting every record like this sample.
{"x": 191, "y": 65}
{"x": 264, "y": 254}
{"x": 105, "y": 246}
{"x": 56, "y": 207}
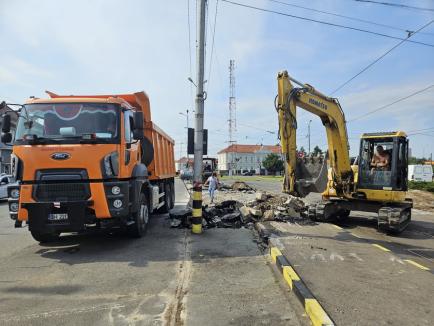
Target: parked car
{"x": 186, "y": 174}
{"x": 248, "y": 173}
{"x": 5, "y": 182}
{"x": 419, "y": 172}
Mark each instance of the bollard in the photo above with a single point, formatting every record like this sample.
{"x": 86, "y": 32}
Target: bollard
{"x": 197, "y": 209}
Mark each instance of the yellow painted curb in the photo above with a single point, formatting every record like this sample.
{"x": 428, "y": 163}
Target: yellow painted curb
{"x": 290, "y": 275}
{"x": 316, "y": 313}
{"x": 274, "y": 252}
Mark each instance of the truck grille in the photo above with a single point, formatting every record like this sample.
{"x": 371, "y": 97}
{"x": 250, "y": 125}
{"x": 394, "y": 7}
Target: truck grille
{"x": 61, "y": 192}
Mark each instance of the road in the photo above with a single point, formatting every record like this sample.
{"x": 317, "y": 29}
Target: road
{"x": 169, "y": 277}
{"x": 362, "y": 276}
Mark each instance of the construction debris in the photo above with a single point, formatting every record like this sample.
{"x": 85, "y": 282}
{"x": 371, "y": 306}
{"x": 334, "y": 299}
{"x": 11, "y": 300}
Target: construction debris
{"x": 235, "y": 214}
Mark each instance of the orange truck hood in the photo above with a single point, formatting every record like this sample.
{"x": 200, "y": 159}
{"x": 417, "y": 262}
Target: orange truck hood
{"x": 82, "y": 156}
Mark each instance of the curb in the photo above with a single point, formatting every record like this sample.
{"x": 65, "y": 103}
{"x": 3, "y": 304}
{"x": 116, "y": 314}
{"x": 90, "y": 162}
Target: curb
{"x": 313, "y": 308}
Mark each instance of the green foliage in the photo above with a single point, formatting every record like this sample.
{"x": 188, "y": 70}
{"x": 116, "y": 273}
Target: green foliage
{"x": 273, "y": 163}
{"x": 415, "y": 160}
{"x": 426, "y": 186}
{"x": 302, "y": 150}
{"x": 317, "y": 151}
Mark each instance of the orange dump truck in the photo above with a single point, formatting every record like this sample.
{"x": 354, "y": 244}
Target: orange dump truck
{"x": 88, "y": 161}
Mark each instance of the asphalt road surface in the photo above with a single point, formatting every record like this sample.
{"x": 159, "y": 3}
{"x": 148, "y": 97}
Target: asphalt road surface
{"x": 169, "y": 277}
{"x": 360, "y": 275}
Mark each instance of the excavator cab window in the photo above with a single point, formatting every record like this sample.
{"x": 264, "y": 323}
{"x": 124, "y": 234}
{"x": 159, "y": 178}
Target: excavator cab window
{"x": 383, "y": 163}
{"x": 376, "y": 160}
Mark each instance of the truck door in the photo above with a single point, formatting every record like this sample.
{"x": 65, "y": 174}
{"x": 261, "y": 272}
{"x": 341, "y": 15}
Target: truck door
{"x": 131, "y": 146}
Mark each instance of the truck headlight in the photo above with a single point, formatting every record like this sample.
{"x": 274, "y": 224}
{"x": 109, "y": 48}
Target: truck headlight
{"x": 15, "y": 193}
{"x": 116, "y": 190}
{"x": 110, "y": 165}
{"x": 117, "y": 203}
{"x": 13, "y": 207}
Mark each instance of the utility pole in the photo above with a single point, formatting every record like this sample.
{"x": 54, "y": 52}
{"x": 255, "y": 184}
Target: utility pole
{"x": 198, "y": 131}
{"x": 308, "y": 133}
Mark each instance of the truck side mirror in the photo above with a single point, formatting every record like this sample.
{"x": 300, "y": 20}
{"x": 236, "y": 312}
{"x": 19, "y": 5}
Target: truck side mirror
{"x": 6, "y": 123}
{"x": 138, "y": 125}
{"x": 6, "y": 138}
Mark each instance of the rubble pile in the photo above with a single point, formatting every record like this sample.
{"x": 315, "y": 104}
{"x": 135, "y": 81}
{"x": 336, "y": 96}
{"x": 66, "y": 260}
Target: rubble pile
{"x": 235, "y": 214}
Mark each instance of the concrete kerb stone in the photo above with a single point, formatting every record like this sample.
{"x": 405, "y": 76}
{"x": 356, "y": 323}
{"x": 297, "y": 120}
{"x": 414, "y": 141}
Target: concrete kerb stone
{"x": 318, "y": 316}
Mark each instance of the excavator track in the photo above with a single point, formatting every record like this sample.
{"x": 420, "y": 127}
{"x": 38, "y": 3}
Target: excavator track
{"x": 393, "y": 219}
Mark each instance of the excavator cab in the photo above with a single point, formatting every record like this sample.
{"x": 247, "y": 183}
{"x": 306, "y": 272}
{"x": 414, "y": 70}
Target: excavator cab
{"x": 392, "y": 175}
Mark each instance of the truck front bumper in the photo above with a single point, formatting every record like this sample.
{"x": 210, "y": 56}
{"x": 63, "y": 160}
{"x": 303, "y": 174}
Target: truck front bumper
{"x": 68, "y": 216}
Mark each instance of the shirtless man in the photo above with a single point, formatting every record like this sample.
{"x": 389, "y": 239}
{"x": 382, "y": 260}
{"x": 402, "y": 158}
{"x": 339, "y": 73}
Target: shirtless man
{"x": 380, "y": 160}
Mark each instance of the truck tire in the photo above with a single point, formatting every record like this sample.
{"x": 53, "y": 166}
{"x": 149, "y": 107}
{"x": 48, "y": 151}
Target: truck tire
{"x": 140, "y": 218}
{"x": 45, "y": 237}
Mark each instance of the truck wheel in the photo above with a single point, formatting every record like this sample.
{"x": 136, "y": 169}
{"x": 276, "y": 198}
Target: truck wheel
{"x": 141, "y": 219}
{"x": 45, "y": 237}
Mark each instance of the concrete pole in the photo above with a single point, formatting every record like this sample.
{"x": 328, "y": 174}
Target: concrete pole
{"x": 308, "y": 132}
{"x": 198, "y": 130}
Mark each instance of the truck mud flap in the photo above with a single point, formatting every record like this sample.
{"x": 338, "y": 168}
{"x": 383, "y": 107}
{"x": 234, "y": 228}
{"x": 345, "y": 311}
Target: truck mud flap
{"x": 60, "y": 217}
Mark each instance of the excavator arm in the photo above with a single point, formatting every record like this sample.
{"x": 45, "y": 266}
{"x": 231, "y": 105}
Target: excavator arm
{"x": 340, "y": 179}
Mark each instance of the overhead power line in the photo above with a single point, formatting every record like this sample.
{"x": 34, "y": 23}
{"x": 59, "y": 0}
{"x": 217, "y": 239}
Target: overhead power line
{"x": 257, "y": 128}
{"x": 379, "y": 58}
{"x": 398, "y": 5}
{"x": 325, "y": 23}
{"x": 390, "y": 104}
{"x": 212, "y": 44}
{"x": 347, "y": 17}
{"x": 420, "y": 133}
{"x": 189, "y": 50}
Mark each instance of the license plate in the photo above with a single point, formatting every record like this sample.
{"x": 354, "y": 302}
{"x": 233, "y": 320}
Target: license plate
{"x": 57, "y": 217}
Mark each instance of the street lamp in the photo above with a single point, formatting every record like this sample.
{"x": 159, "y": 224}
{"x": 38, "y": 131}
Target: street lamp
{"x": 308, "y": 132}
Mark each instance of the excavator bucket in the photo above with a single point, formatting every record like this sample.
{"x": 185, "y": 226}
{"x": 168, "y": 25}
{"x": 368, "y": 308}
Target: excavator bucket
{"x": 311, "y": 175}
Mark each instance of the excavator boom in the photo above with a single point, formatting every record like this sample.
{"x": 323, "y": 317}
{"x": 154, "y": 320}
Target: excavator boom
{"x": 333, "y": 119}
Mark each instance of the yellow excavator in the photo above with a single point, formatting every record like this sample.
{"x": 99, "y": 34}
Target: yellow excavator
{"x": 363, "y": 186}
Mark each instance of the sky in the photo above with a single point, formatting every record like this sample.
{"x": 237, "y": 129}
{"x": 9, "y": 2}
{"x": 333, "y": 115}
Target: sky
{"x": 113, "y": 46}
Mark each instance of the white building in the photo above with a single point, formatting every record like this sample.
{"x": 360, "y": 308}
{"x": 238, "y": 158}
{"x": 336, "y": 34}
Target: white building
{"x": 240, "y": 158}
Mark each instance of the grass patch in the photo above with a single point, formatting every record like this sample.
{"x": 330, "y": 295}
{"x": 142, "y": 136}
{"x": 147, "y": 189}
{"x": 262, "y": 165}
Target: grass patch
{"x": 426, "y": 186}
{"x": 271, "y": 178}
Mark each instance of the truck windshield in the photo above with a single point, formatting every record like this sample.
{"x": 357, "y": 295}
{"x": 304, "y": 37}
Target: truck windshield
{"x": 68, "y": 122}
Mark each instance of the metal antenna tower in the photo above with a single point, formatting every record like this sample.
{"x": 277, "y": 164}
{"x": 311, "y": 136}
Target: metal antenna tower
{"x": 232, "y": 105}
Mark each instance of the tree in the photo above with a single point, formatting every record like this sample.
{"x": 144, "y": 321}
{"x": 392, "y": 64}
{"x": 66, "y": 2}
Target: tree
{"x": 302, "y": 150}
{"x": 415, "y": 160}
{"x": 273, "y": 163}
{"x": 317, "y": 151}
